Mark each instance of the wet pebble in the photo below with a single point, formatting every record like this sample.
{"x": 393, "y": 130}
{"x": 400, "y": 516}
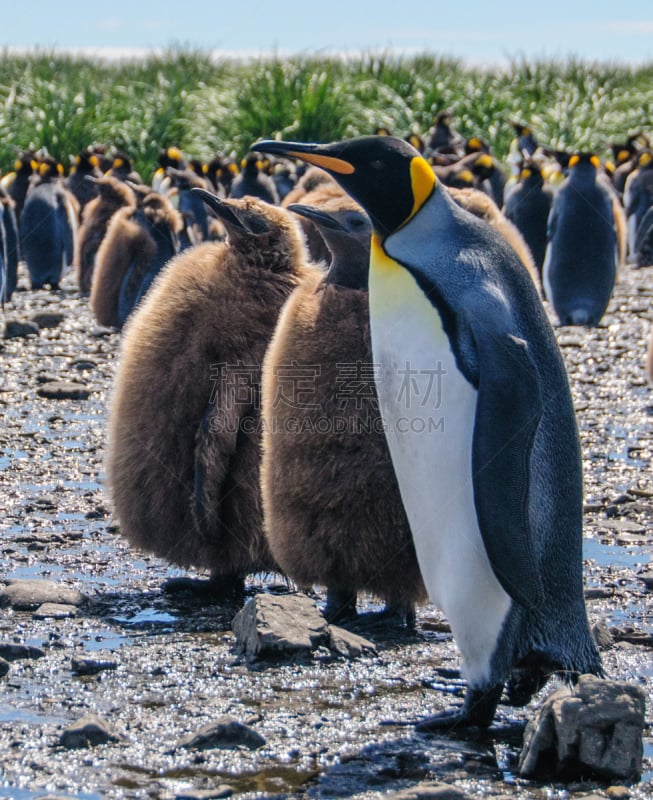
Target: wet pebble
{"x": 88, "y": 731}
{"x": 63, "y": 390}
{"x": 348, "y": 644}
{"x": 225, "y": 733}
{"x": 206, "y": 794}
{"x": 28, "y": 595}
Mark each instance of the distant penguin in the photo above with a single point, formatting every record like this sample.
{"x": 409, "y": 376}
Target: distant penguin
{"x": 17, "y": 182}
{"x": 184, "y": 433}
{"x": 9, "y": 245}
{"x": 442, "y": 138}
{"x": 644, "y": 241}
{"x": 113, "y": 194}
{"x": 494, "y": 493}
{"x": 333, "y": 512}
{"x": 638, "y": 197}
{"x": 582, "y": 256}
{"x": 121, "y": 168}
{"x": 168, "y": 157}
{"x": 48, "y": 229}
{"x": 86, "y": 163}
{"x": 253, "y": 182}
{"x": 195, "y": 221}
{"x": 528, "y": 207}
{"x": 138, "y": 243}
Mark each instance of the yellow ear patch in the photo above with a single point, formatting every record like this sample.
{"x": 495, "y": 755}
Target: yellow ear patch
{"x": 474, "y": 144}
{"x": 60, "y": 169}
{"x": 623, "y": 155}
{"x": 118, "y": 162}
{"x": 466, "y": 175}
{"x": 174, "y": 154}
{"x": 484, "y": 161}
{"x": 34, "y": 164}
{"x": 423, "y": 181}
{"x": 645, "y": 159}
{"x": 595, "y": 161}
{"x": 94, "y": 161}
{"x": 44, "y": 169}
{"x": 526, "y": 173}
{"x": 574, "y": 160}
{"x": 18, "y": 164}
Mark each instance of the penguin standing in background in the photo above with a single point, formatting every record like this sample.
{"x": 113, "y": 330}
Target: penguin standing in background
{"x": 582, "y": 256}
{"x": 48, "y": 229}
{"x": 17, "y": 182}
{"x": 638, "y": 199}
{"x": 253, "y": 182}
{"x": 138, "y": 243}
{"x": 333, "y": 512}
{"x": 184, "y": 435}
{"x": 113, "y": 194}
{"x": 442, "y": 138}
{"x": 195, "y": 227}
{"x": 528, "y": 207}
{"x": 9, "y": 244}
{"x": 86, "y": 164}
{"x": 489, "y": 467}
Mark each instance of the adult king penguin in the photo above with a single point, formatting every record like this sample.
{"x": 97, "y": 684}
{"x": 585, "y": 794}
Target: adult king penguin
{"x": 493, "y": 489}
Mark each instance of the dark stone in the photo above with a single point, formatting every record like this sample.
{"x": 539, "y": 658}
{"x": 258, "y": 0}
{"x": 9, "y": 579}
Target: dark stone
{"x": 55, "y": 611}
{"x": 594, "y": 729}
{"x": 20, "y": 330}
{"x": 63, "y": 390}
{"x": 226, "y": 733}
{"x": 88, "y": 731}
{"x": 348, "y": 644}
{"x": 17, "y": 652}
{"x": 47, "y": 319}
{"x": 4, "y": 667}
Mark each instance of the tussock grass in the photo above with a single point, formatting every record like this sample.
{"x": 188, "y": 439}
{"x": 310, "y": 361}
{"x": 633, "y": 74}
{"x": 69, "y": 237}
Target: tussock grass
{"x": 185, "y": 98}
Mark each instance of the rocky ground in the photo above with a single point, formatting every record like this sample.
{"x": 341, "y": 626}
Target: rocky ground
{"x": 156, "y": 668}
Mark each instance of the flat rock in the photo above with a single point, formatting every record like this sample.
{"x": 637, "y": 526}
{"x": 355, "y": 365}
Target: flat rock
{"x": 348, "y": 644}
{"x": 88, "y": 731}
{"x": 28, "y": 595}
{"x": 276, "y": 627}
{"x": 225, "y": 733}
{"x": 429, "y": 790}
{"x": 18, "y": 652}
{"x": 63, "y": 390}
{"x": 592, "y": 729}
{"x": 48, "y": 319}
{"x": 647, "y": 579}
{"x": 91, "y": 666}
{"x": 14, "y": 329}
{"x": 206, "y": 794}
{"x": 4, "y": 667}
{"x": 55, "y": 611}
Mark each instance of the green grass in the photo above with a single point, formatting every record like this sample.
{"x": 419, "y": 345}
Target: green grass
{"x": 184, "y": 98}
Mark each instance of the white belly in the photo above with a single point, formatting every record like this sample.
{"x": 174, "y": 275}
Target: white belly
{"x": 429, "y": 409}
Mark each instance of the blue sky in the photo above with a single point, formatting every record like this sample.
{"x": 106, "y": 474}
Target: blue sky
{"x": 481, "y": 31}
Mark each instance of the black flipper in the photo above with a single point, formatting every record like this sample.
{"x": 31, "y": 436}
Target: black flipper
{"x": 508, "y": 412}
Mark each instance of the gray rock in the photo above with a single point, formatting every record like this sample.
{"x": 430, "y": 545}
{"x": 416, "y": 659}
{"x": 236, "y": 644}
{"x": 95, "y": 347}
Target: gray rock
{"x": 647, "y": 579}
{"x": 15, "y": 329}
{"x": 348, "y": 644}
{"x": 63, "y": 390}
{"x": 206, "y": 794}
{"x": 55, "y": 611}
{"x": 17, "y": 652}
{"x": 28, "y": 595}
{"x": 226, "y": 733}
{"x": 4, "y": 667}
{"x": 279, "y": 627}
{"x": 91, "y": 666}
{"x": 88, "y": 731}
{"x": 595, "y": 728}
{"x": 429, "y": 790}
{"x": 48, "y": 319}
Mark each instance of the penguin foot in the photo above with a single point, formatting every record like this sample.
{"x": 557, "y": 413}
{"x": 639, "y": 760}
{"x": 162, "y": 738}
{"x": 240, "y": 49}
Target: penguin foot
{"x": 340, "y": 605}
{"x": 392, "y": 617}
{"x": 477, "y": 712}
{"x": 524, "y": 683}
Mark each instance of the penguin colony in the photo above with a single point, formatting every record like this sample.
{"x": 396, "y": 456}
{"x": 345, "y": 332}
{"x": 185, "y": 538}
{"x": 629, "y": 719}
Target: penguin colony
{"x": 214, "y": 306}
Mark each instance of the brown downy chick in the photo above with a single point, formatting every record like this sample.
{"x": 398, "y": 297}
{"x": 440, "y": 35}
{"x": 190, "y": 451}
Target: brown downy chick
{"x": 184, "y": 423}
{"x": 138, "y": 244}
{"x": 333, "y": 512}
{"x": 113, "y": 195}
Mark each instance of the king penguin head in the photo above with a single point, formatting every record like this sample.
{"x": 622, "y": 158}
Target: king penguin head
{"x": 386, "y": 175}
